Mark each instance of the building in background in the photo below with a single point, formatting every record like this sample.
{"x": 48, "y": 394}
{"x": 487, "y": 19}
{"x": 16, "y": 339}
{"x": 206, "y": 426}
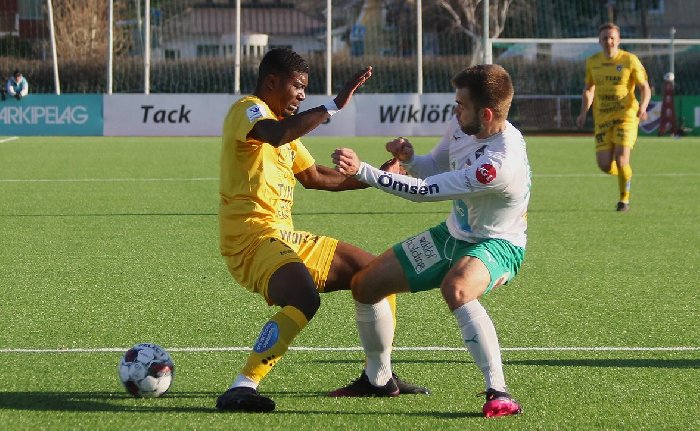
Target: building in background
{"x": 208, "y": 29}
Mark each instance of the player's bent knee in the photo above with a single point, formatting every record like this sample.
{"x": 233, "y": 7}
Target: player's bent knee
{"x": 364, "y": 293}
{"x": 455, "y": 296}
{"x": 307, "y": 304}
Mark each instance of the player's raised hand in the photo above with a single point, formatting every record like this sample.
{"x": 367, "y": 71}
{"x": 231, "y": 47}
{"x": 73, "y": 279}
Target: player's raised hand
{"x": 346, "y": 161}
{"x": 401, "y": 149}
{"x": 353, "y": 84}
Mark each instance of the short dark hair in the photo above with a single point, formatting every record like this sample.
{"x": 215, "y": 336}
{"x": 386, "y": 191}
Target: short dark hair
{"x": 489, "y": 85}
{"x": 16, "y": 72}
{"x": 281, "y": 61}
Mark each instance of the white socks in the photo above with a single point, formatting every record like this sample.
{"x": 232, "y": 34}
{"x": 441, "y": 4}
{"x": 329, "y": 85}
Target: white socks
{"x": 244, "y": 381}
{"x": 479, "y": 335}
{"x": 375, "y": 325}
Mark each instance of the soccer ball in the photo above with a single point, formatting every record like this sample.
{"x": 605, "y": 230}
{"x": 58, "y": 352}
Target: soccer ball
{"x": 146, "y": 370}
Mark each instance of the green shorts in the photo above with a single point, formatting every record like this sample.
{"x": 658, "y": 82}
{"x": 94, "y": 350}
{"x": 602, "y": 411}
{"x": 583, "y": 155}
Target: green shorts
{"x": 427, "y": 257}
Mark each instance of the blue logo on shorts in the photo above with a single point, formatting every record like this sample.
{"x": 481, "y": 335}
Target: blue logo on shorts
{"x": 268, "y": 337}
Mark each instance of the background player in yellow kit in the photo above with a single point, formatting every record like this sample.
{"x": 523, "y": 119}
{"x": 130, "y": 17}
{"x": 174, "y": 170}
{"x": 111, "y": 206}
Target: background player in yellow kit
{"x": 611, "y": 78}
{"x": 261, "y": 160}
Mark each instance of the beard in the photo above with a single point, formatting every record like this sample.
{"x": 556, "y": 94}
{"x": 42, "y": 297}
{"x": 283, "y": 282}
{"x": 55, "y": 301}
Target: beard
{"x": 473, "y": 128}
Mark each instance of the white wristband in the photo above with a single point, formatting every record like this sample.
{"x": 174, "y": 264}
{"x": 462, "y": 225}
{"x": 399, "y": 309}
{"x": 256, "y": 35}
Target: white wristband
{"x": 331, "y": 107}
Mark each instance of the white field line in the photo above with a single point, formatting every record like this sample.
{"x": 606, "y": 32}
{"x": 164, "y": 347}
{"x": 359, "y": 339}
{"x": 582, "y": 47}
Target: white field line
{"x": 11, "y": 138}
{"x": 137, "y": 180}
{"x": 357, "y": 348}
{"x": 105, "y": 180}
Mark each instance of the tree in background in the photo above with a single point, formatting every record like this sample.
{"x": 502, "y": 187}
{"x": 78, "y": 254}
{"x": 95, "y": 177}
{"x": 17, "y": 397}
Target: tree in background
{"x": 81, "y": 28}
{"x": 465, "y": 17}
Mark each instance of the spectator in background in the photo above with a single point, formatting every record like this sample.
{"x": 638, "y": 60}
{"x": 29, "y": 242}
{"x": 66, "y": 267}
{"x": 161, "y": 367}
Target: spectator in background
{"x": 17, "y": 86}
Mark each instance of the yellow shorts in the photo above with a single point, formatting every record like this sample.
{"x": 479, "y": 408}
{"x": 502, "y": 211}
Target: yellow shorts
{"x": 611, "y": 134}
{"x": 269, "y": 249}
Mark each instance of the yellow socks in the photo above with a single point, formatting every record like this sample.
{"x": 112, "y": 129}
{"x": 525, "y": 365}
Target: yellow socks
{"x": 273, "y": 341}
{"x": 613, "y": 168}
{"x": 392, "y": 305}
{"x": 624, "y": 180}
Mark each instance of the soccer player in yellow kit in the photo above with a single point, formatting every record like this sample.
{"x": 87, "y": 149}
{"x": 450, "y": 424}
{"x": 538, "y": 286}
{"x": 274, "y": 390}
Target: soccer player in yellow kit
{"x": 611, "y": 78}
{"x": 261, "y": 160}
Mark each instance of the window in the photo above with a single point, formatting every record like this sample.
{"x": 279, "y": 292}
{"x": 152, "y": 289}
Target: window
{"x": 207, "y": 50}
{"x": 655, "y": 7}
{"x": 172, "y": 54}
{"x": 280, "y": 46}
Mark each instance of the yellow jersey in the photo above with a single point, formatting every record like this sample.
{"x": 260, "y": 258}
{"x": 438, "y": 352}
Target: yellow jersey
{"x": 257, "y": 179}
{"x": 615, "y": 80}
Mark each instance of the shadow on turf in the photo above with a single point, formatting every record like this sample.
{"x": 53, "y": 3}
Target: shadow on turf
{"x": 110, "y": 402}
{"x": 96, "y": 402}
{"x": 599, "y": 363}
{"x": 301, "y": 214}
{"x": 615, "y": 363}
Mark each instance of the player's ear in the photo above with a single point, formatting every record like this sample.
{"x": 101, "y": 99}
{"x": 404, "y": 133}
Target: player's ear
{"x": 271, "y": 81}
{"x": 488, "y": 115}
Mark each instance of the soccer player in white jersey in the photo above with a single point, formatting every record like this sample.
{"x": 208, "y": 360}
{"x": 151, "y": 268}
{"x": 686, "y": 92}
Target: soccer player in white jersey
{"x": 481, "y": 165}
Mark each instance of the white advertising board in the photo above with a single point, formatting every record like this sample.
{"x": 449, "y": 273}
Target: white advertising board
{"x": 203, "y": 114}
{"x": 403, "y": 114}
{"x": 387, "y": 115}
{"x": 165, "y": 114}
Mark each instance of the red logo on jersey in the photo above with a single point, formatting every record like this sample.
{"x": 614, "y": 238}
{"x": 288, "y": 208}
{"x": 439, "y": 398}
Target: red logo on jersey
{"x": 485, "y": 173}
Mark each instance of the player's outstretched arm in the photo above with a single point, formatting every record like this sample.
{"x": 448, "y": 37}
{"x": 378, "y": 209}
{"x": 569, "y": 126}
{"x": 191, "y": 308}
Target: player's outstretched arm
{"x": 346, "y": 93}
{"x": 321, "y": 177}
{"x": 278, "y": 133}
{"x": 324, "y": 178}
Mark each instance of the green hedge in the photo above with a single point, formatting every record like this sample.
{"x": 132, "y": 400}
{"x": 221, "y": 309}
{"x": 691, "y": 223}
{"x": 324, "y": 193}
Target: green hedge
{"x": 391, "y": 75}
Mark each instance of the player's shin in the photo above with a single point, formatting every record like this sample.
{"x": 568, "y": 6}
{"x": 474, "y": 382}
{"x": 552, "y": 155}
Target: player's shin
{"x": 273, "y": 341}
{"x": 479, "y": 336}
{"x": 375, "y": 325}
{"x": 624, "y": 180}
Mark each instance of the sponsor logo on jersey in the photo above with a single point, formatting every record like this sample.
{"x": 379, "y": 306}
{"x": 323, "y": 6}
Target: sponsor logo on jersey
{"x": 268, "y": 337}
{"x": 387, "y": 181}
{"x": 421, "y": 251}
{"x": 254, "y": 112}
{"x": 485, "y": 173}
{"x": 480, "y": 152}
{"x": 291, "y": 237}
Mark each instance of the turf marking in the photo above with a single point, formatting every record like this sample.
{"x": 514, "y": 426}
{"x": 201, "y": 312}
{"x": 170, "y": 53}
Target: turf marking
{"x": 358, "y": 348}
{"x": 11, "y": 138}
{"x": 139, "y": 180}
{"x": 105, "y": 180}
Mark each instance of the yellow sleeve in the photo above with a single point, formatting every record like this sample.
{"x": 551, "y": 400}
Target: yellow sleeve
{"x": 638, "y": 72}
{"x": 244, "y": 114}
{"x": 303, "y": 160}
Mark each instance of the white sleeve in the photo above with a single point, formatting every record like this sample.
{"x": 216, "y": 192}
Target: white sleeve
{"x": 482, "y": 178}
{"x": 10, "y": 88}
{"x": 24, "y": 87}
{"x": 438, "y": 160}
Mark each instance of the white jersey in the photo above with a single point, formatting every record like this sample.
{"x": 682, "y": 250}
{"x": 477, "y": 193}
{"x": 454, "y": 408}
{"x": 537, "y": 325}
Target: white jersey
{"x": 488, "y": 181}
